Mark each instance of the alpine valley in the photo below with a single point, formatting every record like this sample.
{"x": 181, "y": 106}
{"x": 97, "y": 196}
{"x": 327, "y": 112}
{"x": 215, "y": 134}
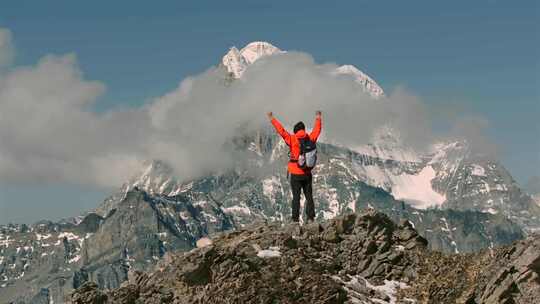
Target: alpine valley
{"x": 459, "y": 201}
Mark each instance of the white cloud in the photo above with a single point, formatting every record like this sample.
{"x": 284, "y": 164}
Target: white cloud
{"x": 48, "y": 133}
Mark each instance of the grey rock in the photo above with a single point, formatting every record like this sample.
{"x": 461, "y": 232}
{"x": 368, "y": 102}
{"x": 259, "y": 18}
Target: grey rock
{"x": 224, "y": 274}
{"x": 41, "y": 298}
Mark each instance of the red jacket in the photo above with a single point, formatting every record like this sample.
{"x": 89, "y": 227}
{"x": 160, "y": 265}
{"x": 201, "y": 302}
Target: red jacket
{"x": 294, "y": 144}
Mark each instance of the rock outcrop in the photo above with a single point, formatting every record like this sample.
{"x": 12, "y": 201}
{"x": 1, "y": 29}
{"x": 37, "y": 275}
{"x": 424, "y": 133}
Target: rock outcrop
{"x": 364, "y": 258}
{"x": 43, "y": 263}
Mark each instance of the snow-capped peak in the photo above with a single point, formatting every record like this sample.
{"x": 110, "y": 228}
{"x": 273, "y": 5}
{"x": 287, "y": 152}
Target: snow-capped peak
{"x": 361, "y": 78}
{"x": 257, "y": 49}
{"x": 234, "y": 62}
{"x": 155, "y": 177}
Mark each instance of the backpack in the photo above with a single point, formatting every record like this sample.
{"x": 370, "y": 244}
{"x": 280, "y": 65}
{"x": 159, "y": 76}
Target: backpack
{"x": 308, "y": 153}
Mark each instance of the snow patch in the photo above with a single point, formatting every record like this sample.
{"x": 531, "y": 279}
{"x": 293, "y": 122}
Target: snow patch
{"x": 209, "y": 216}
{"x": 69, "y": 235}
{"x": 491, "y": 210}
{"x": 5, "y": 241}
{"x": 203, "y": 242}
{"x": 417, "y": 189}
{"x": 478, "y": 170}
{"x": 237, "y": 209}
{"x": 40, "y": 237}
{"x": 74, "y": 259}
{"x": 389, "y": 289}
{"x": 184, "y": 215}
{"x": 272, "y": 252}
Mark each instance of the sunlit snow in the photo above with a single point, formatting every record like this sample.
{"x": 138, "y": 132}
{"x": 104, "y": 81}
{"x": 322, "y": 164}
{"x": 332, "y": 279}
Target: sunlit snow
{"x": 478, "y": 170}
{"x": 417, "y": 189}
{"x": 272, "y": 252}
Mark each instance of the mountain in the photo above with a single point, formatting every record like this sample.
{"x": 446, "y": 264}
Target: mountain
{"x": 154, "y": 214}
{"x": 449, "y": 176}
{"x": 458, "y": 201}
{"x": 472, "y": 182}
{"x": 260, "y": 192}
{"x": 236, "y": 62}
{"x": 362, "y": 258}
{"x": 361, "y": 78}
{"x": 44, "y": 255}
{"x": 54, "y": 258}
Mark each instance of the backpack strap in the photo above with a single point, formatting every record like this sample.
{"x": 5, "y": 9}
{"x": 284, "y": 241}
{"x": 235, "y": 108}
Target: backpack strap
{"x": 292, "y": 160}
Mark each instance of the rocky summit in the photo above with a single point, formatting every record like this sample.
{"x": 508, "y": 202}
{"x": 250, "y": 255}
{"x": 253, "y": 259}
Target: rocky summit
{"x": 354, "y": 258}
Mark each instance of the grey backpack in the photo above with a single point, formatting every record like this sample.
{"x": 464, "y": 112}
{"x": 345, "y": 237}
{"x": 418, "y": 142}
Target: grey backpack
{"x": 308, "y": 153}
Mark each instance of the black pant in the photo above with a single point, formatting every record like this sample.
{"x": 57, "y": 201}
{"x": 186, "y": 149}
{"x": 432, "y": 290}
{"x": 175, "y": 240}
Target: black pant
{"x": 298, "y": 183}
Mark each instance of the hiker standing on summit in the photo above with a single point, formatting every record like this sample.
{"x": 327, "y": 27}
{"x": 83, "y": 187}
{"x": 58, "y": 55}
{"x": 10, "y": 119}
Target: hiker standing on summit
{"x": 302, "y": 160}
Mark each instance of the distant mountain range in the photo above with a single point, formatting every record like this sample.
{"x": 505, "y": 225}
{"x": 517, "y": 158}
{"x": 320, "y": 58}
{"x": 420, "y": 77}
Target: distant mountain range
{"x": 459, "y": 201}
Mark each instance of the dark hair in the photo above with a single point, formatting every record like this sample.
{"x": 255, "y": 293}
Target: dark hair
{"x": 299, "y": 126}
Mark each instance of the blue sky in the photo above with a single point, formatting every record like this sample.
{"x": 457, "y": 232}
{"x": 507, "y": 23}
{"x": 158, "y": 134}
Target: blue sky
{"x": 478, "y": 57}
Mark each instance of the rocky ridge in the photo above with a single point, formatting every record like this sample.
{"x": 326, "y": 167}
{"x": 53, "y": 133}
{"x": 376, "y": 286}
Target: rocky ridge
{"x": 364, "y": 258}
{"x": 51, "y": 259}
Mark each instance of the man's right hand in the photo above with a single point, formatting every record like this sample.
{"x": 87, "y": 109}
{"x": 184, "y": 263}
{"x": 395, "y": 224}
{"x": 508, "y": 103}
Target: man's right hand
{"x": 270, "y": 115}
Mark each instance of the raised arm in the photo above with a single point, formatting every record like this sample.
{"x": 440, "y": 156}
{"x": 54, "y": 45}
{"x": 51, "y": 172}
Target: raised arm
{"x": 279, "y": 128}
{"x": 317, "y": 127}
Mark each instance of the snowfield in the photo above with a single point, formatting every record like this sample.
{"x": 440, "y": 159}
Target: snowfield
{"x": 417, "y": 189}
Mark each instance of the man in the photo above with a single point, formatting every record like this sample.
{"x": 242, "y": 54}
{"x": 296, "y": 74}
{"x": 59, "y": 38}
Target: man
{"x": 301, "y": 178}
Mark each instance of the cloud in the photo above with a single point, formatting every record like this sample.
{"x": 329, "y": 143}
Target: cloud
{"x": 204, "y": 113}
{"x": 48, "y": 133}
{"x": 7, "y": 52}
{"x": 473, "y": 128}
{"x": 293, "y": 86}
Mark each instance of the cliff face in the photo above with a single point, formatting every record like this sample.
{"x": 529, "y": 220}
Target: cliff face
{"x": 46, "y": 261}
{"x": 355, "y": 258}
